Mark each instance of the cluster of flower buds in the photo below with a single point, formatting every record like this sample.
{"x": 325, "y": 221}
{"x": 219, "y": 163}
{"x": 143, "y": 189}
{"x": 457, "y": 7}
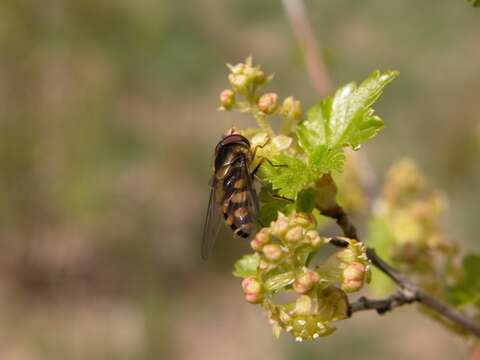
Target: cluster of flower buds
{"x": 311, "y": 316}
{"x": 244, "y": 76}
{"x": 411, "y": 215}
{"x": 280, "y": 263}
{"x": 246, "y": 80}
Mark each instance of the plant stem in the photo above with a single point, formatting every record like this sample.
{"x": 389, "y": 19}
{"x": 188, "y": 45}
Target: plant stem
{"x": 305, "y": 36}
{"x": 408, "y": 292}
{"x": 264, "y": 124}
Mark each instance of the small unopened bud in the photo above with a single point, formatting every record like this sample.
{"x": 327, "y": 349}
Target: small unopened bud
{"x": 353, "y": 277}
{"x": 305, "y": 282}
{"x": 261, "y": 238}
{"x": 282, "y": 142}
{"x": 291, "y": 108}
{"x": 314, "y": 238}
{"x": 227, "y": 98}
{"x": 346, "y": 255}
{"x": 239, "y": 82}
{"x": 237, "y": 69}
{"x": 280, "y": 226}
{"x": 272, "y": 252}
{"x": 254, "y": 298}
{"x": 294, "y": 234}
{"x": 252, "y": 289}
{"x": 268, "y": 103}
{"x": 305, "y": 220}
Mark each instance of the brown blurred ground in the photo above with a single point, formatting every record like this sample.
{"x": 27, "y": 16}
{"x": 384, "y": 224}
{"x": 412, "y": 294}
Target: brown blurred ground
{"x": 107, "y": 123}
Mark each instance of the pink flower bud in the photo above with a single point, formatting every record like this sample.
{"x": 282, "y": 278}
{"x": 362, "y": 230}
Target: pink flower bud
{"x": 305, "y": 282}
{"x": 254, "y": 298}
{"x": 251, "y": 285}
{"x": 268, "y": 103}
{"x": 272, "y": 252}
{"x": 261, "y": 238}
{"x": 294, "y": 234}
{"x": 227, "y": 98}
{"x": 314, "y": 238}
{"x": 252, "y": 289}
{"x": 353, "y": 277}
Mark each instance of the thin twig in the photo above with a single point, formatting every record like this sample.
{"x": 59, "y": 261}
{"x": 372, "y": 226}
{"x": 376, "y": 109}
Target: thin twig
{"x": 305, "y": 36}
{"x": 382, "y": 306}
{"x": 408, "y": 292}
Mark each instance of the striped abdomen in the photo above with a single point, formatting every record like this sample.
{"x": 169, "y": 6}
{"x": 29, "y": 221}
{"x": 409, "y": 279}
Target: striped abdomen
{"x": 238, "y": 205}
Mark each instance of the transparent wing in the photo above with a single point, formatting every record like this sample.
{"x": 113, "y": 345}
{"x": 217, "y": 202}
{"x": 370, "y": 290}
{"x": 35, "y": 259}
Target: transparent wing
{"x": 213, "y": 223}
{"x": 252, "y": 198}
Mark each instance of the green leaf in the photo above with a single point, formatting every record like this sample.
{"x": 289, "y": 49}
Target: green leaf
{"x": 247, "y": 266}
{"x": 346, "y": 119}
{"x": 324, "y": 160}
{"x": 468, "y": 290}
{"x": 306, "y": 200}
{"x": 271, "y": 206}
{"x": 288, "y": 175}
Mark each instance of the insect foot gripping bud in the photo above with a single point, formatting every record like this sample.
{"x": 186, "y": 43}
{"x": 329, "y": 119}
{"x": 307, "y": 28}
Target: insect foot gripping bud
{"x": 252, "y": 289}
{"x": 268, "y": 103}
{"x": 227, "y": 99}
{"x": 353, "y": 277}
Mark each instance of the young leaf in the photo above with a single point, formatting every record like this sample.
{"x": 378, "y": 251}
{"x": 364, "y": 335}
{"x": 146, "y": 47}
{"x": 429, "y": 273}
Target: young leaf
{"x": 346, "y": 119}
{"x": 306, "y": 200}
{"x": 288, "y": 175}
{"x": 247, "y": 266}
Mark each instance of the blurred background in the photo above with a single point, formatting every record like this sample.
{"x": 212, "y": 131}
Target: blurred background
{"x": 107, "y": 126}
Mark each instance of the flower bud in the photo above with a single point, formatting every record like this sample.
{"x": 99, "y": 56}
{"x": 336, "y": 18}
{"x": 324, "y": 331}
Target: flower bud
{"x": 268, "y": 103}
{"x": 305, "y": 220}
{"x": 237, "y": 69}
{"x": 261, "y": 238}
{"x": 294, "y": 235}
{"x": 227, "y": 98}
{"x": 252, "y": 289}
{"x": 254, "y": 298}
{"x": 291, "y": 108}
{"x": 239, "y": 82}
{"x": 280, "y": 226}
{"x": 305, "y": 282}
{"x": 272, "y": 252}
{"x": 282, "y": 142}
{"x": 353, "y": 277}
{"x": 314, "y": 238}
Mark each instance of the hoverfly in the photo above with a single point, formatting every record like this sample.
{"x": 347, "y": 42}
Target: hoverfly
{"x": 232, "y": 195}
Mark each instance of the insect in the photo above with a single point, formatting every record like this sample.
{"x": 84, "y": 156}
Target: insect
{"x": 233, "y": 199}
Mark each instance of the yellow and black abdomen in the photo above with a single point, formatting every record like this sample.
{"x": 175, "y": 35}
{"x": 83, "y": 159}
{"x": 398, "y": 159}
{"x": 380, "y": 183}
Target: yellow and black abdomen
{"x": 238, "y": 205}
